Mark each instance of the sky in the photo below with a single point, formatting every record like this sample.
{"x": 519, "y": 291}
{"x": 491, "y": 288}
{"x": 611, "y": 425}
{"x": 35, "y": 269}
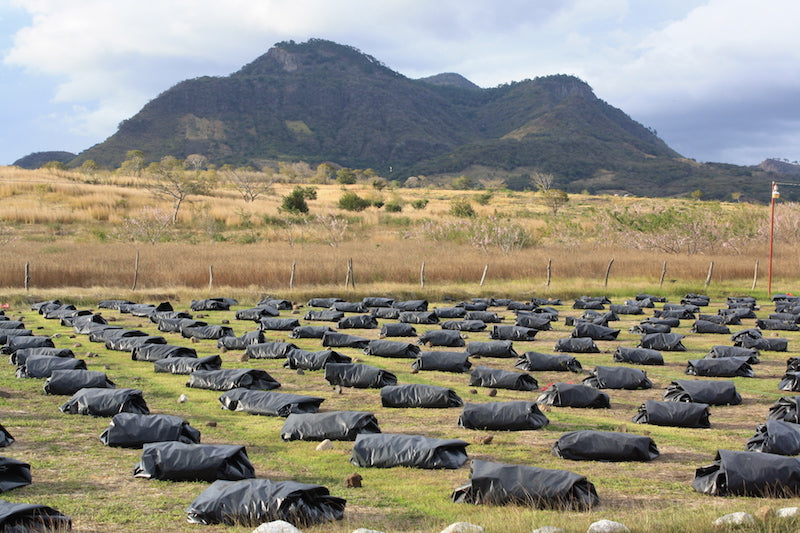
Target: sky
{"x": 719, "y": 80}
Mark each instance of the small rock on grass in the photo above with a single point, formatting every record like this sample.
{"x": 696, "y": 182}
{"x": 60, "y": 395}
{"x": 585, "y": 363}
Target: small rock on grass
{"x": 365, "y": 530}
{"x": 462, "y": 527}
{"x": 278, "y": 526}
{"x": 734, "y": 519}
{"x": 182, "y": 398}
{"x": 549, "y": 529}
{"x": 788, "y": 512}
{"x": 325, "y": 445}
{"x": 353, "y": 481}
{"x": 607, "y": 526}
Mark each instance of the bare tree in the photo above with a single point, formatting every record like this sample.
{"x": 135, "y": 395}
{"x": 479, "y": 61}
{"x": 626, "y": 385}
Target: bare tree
{"x": 151, "y": 224}
{"x": 542, "y": 180}
{"x": 249, "y": 182}
{"x": 195, "y": 162}
{"x": 169, "y": 180}
{"x": 335, "y": 226}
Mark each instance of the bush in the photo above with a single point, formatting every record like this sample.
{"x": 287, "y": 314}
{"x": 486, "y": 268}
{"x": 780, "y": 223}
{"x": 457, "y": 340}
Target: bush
{"x": 350, "y": 201}
{"x": 421, "y": 203}
{"x": 483, "y": 198}
{"x": 393, "y": 207}
{"x": 295, "y": 201}
{"x": 462, "y": 208}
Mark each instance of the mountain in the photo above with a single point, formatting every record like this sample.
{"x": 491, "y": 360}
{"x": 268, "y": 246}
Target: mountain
{"x": 321, "y": 101}
{"x": 781, "y": 167}
{"x": 37, "y": 159}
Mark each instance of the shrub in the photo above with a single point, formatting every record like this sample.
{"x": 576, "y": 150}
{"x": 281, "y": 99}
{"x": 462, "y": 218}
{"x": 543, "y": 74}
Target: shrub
{"x": 295, "y": 201}
{"x": 351, "y": 201}
{"x": 393, "y": 207}
{"x": 462, "y": 208}
{"x": 483, "y": 198}
{"x": 421, "y": 203}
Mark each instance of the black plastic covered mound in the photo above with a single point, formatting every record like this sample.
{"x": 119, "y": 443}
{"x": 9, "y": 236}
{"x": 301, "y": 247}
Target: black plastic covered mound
{"x": 726, "y": 367}
{"x": 703, "y": 326}
{"x": 706, "y": 391}
{"x": 484, "y": 316}
{"x": 334, "y": 339}
{"x": 502, "y": 484}
{"x": 591, "y": 445}
{"x": 309, "y": 332}
{"x": 790, "y": 382}
{"x": 668, "y": 342}
{"x": 786, "y": 408}
{"x": 483, "y": 376}
{"x": 133, "y": 430}
{"x": 211, "y": 331}
{"x": 749, "y": 474}
{"x": 776, "y": 436}
{"x": 443, "y": 360}
{"x": 464, "y": 325}
{"x": 105, "y": 402}
{"x": 419, "y": 395}
{"x": 503, "y": 416}
{"x": 639, "y": 356}
{"x": 358, "y": 375}
{"x": 333, "y": 425}
{"x": 68, "y": 382}
{"x": 20, "y": 356}
{"x": 450, "y": 312}
{"x": 323, "y": 315}
{"x": 31, "y": 518}
{"x": 178, "y": 461}
{"x": 27, "y": 341}
{"x": 618, "y": 377}
{"x": 269, "y": 350}
{"x": 411, "y": 305}
{"x": 753, "y": 338}
{"x": 513, "y": 333}
{"x": 306, "y": 360}
{"x": 154, "y": 352}
{"x": 620, "y": 309}
{"x": 720, "y": 351}
{"x": 675, "y": 414}
{"x": 594, "y": 332}
{"x": 645, "y": 329}
{"x": 576, "y": 345}
{"x": 386, "y": 348}
{"x": 256, "y": 313}
{"x": 398, "y": 329}
{"x": 322, "y": 302}
{"x": 42, "y": 366}
{"x": 389, "y": 313}
{"x": 386, "y": 450}
{"x": 418, "y": 317}
{"x": 442, "y": 337}
{"x": 232, "y": 378}
{"x": 278, "y": 323}
{"x": 792, "y": 364}
{"x": 13, "y": 474}
{"x": 269, "y": 403}
{"x": 492, "y": 349}
{"x": 773, "y": 324}
{"x": 535, "y": 361}
{"x": 7, "y": 334}
{"x": 176, "y": 325}
{"x": 251, "y": 502}
{"x": 212, "y": 304}
{"x": 377, "y": 301}
{"x": 357, "y": 321}
{"x": 571, "y": 395}
{"x": 6, "y": 439}
{"x": 187, "y": 365}
{"x": 533, "y": 321}
{"x": 230, "y": 342}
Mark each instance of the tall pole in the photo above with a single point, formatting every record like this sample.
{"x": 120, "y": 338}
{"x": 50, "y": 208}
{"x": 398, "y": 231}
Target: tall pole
{"x": 775, "y": 194}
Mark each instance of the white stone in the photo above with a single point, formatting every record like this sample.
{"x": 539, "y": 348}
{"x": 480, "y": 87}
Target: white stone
{"x": 278, "y": 526}
{"x": 462, "y": 527}
{"x": 735, "y": 519}
{"x": 787, "y": 512}
{"x": 183, "y": 399}
{"x": 549, "y": 529}
{"x": 365, "y": 530}
{"x": 325, "y": 445}
{"x": 607, "y": 526}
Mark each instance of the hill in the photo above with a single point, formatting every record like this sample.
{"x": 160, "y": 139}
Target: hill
{"x": 37, "y": 159}
{"x": 320, "y": 101}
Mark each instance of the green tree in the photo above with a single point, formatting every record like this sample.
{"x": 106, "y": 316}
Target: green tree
{"x": 350, "y": 201}
{"x": 295, "y": 202}
{"x": 134, "y": 163}
{"x": 696, "y": 194}
{"x": 89, "y": 166}
{"x": 345, "y": 176}
{"x": 555, "y": 199}
{"x": 169, "y": 180}
{"x": 463, "y": 183}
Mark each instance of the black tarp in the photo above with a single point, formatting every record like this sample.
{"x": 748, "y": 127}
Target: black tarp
{"x": 756, "y": 474}
{"x": 753, "y": 338}
{"x": 68, "y": 382}
{"x": 278, "y": 323}
{"x": 592, "y": 445}
{"x": 306, "y": 360}
{"x": 411, "y": 305}
{"x": 31, "y": 518}
{"x": 26, "y": 341}
{"x": 504, "y": 349}
{"x": 187, "y": 365}
{"x": 576, "y": 345}
{"x": 793, "y": 364}
{"x": 358, "y": 375}
{"x": 618, "y": 377}
{"x": 398, "y": 329}
{"x": 417, "y": 395}
{"x": 6, "y": 439}
{"x": 211, "y": 331}
{"x": 483, "y": 376}
{"x": 711, "y": 392}
{"x": 464, "y": 325}
{"x": 574, "y": 395}
{"x": 645, "y": 329}
{"x": 278, "y": 303}
{"x": 513, "y": 333}
{"x": 386, "y": 348}
{"x": 442, "y": 337}
{"x": 175, "y": 325}
{"x": 720, "y": 351}
{"x": 269, "y": 350}
{"x": 726, "y": 367}
{"x": 674, "y": 414}
{"x": 13, "y": 474}
{"x": 533, "y": 321}
{"x": 269, "y": 403}
{"x": 309, "y": 332}
{"x": 256, "y": 313}
{"x": 323, "y": 315}
{"x": 785, "y": 408}
{"x": 540, "y": 488}
{"x": 484, "y": 316}
{"x": 213, "y": 304}
{"x": 377, "y": 301}
{"x": 7, "y": 334}
{"x": 418, "y": 317}
{"x": 154, "y": 352}
{"x": 502, "y": 416}
{"x": 105, "y": 402}
{"x": 546, "y": 362}
{"x": 323, "y": 302}
{"x": 668, "y": 342}
{"x": 703, "y": 326}
{"x": 126, "y": 344}
{"x": 333, "y": 425}
{"x": 619, "y": 309}
{"x": 790, "y": 382}
{"x": 450, "y": 312}
{"x": 349, "y": 307}
{"x": 42, "y": 366}
{"x": 251, "y": 502}
{"x": 232, "y": 378}
{"x": 775, "y": 436}
{"x": 639, "y": 356}
{"x": 386, "y": 450}
{"x": 178, "y": 461}
{"x": 20, "y": 356}
{"x": 357, "y": 322}
{"x": 442, "y": 360}
{"x": 389, "y": 313}
{"x": 334, "y": 339}
{"x": 12, "y": 324}
{"x": 241, "y": 342}
{"x": 594, "y": 332}
{"x": 134, "y": 430}
{"x": 104, "y": 333}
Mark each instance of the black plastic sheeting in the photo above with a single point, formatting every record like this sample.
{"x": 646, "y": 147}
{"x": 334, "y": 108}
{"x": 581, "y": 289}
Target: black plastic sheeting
{"x": 503, "y": 416}
{"x": 411, "y": 305}
{"x": 540, "y": 488}
{"x": 68, "y": 382}
{"x": 358, "y": 322}
{"x": 386, "y": 348}
{"x": 419, "y": 395}
{"x": 42, "y": 366}
{"x": 154, "y": 352}
{"x": 418, "y": 317}
{"x": 211, "y": 331}
{"x": 513, "y": 333}
{"x": 703, "y": 326}
{"x": 323, "y": 302}
{"x": 785, "y": 408}
{"x": 256, "y": 313}
{"x": 674, "y": 414}
{"x": 269, "y": 350}
{"x": 13, "y": 474}
{"x": 133, "y": 430}
{"x": 358, "y": 375}
{"x": 278, "y": 323}
{"x": 753, "y": 338}
{"x": 591, "y": 445}
{"x": 310, "y": 332}
{"x": 126, "y": 344}
{"x": 240, "y": 343}
{"x": 483, "y": 376}
{"x": 450, "y": 312}
{"x": 442, "y": 337}
{"x": 726, "y": 367}
{"x": 775, "y": 436}
{"x": 232, "y": 378}
{"x": 305, "y": 360}
{"x": 6, "y": 439}
{"x": 212, "y": 304}
{"x": 386, "y": 450}
{"x": 178, "y": 461}
{"x": 790, "y": 382}
{"x": 639, "y": 356}
{"x": 20, "y": 356}
{"x": 251, "y": 502}
{"x": 187, "y": 365}
{"x": 572, "y": 395}
{"x": 333, "y": 425}
{"x": 334, "y": 339}
{"x": 398, "y": 329}
{"x": 105, "y": 402}
{"x": 720, "y": 351}
{"x": 536, "y": 361}
{"x": 28, "y": 341}
{"x": 668, "y": 342}
{"x": 534, "y": 322}
{"x": 464, "y": 325}
{"x": 324, "y": 315}
{"x": 618, "y": 377}
{"x": 706, "y": 391}
{"x": 443, "y": 360}
{"x": 594, "y": 332}
{"x": 269, "y": 403}
{"x": 31, "y": 518}
{"x": 736, "y": 473}
{"x": 503, "y": 349}
{"x": 576, "y": 345}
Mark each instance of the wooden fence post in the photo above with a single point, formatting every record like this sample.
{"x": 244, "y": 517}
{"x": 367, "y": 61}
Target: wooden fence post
{"x": 549, "y": 271}
{"x": 210, "y": 277}
{"x": 350, "y": 278}
{"x": 135, "y": 271}
{"x": 483, "y": 277}
{"x": 663, "y": 273}
{"x": 27, "y": 275}
{"x": 755, "y": 276}
{"x": 422, "y": 275}
{"x": 710, "y": 271}
{"x": 291, "y": 277}
{"x": 608, "y": 271}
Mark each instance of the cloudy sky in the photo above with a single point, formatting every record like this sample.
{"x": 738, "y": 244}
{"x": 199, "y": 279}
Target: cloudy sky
{"x": 718, "y": 79}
